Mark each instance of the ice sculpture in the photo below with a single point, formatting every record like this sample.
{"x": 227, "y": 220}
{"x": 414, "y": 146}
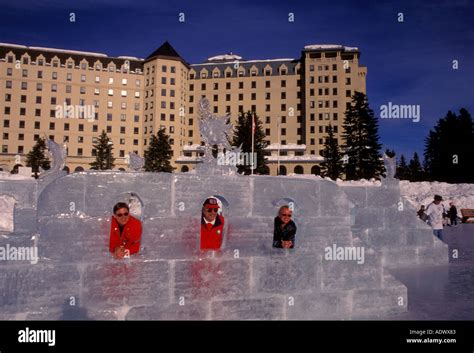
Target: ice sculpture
{"x": 58, "y": 154}
{"x": 136, "y": 162}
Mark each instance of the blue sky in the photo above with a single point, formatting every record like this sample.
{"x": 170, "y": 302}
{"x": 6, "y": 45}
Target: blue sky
{"x": 408, "y": 62}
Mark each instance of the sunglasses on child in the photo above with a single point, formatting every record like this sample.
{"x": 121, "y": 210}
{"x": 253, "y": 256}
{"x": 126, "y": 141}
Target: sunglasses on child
{"x": 122, "y": 214}
{"x": 286, "y": 215}
{"x": 212, "y": 210}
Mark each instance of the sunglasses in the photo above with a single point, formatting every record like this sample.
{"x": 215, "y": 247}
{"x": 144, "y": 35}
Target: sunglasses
{"x": 212, "y": 210}
{"x": 286, "y": 215}
{"x": 122, "y": 214}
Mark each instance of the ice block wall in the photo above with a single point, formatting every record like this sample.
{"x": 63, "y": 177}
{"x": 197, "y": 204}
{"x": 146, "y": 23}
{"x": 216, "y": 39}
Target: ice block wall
{"x": 76, "y": 278}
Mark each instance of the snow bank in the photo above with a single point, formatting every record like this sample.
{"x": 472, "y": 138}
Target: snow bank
{"x": 5, "y": 175}
{"x": 421, "y": 193}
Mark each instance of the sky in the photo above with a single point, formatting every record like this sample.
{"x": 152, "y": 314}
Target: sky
{"x": 417, "y": 53}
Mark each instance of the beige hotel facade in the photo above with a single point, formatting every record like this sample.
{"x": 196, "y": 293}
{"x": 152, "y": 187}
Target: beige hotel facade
{"x": 71, "y": 96}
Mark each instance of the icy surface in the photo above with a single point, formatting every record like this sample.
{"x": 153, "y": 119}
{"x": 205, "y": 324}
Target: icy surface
{"x": 7, "y": 204}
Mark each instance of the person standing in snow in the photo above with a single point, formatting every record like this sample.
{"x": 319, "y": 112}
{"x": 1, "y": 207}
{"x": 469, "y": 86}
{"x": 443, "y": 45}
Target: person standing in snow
{"x": 284, "y": 231}
{"x": 212, "y": 225}
{"x": 453, "y": 214}
{"x": 421, "y": 213}
{"x": 125, "y": 232}
{"x": 435, "y": 212}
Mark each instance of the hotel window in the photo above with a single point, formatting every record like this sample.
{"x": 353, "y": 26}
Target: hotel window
{"x": 254, "y": 96}
{"x": 69, "y": 77}
{"x": 20, "y": 149}
{"x": 111, "y": 80}
{"x": 173, "y": 69}
{"x": 54, "y": 76}
{"x": 241, "y": 85}
{"x": 137, "y": 83}
{"x": 137, "y": 106}
{"x": 95, "y": 128}
{"x": 68, "y": 101}
{"x": 123, "y": 117}
{"x": 83, "y": 78}
{"x": 334, "y": 116}
{"x": 8, "y": 97}
{"x": 109, "y": 129}
{"x": 172, "y": 93}
{"x": 109, "y": 104}
{"x": 137, "y": 94}
{"x": 171, "y": 105}
{"x": 228, "y": 74}
{"x": 24, "y": 73}
{"x": 334, "y": 91}
{"x": 4, "y": 148}
{"x": 311, "y": 92}
{"x": 110, "y": 92}
{"x": 203, "y": 86}
{"x": 191, "y": 99}
{"x": 21, "y": 124}
{"x": 267, "y": 107}
{"x": 283, "y": 83}
{"x": 348, "y": 105}
{"x": 163, "y": 68}
{"x": 171, "y": 129}
{"x": 25, "y": 61}
{"x": 24, "y": 85}
{"x": 53, "y": 100}
{"x": 311, "y": 117}
{"x": 312, "y": 130}
{"x": 191, "y": 110}
{"x": 215, "y": 110}
{"x": 21, "y": 137}
{"x": 348, "y": 93}
{"x": 348, "y": 70}
{"x": 335, "y": 129}
{"x": 283, "y": 72}
{"x": 334, "y": 79}
{"x": 215, "y": 97}
{"x": 253, "y": 73}
{"x": 254, "y": 84}
{"x": 124, "y": 81}
{"x": 283, "y": 131}
{"x": 80, "y": 139}
{"x": 23, "y": 99}
{"x": 9, "y": 71}
{"x": 241, "y": 97}
{"x": 96, "y": 91}
{"x": 172, "y": 81}
{"x": 37, "y": 112}
{"x": 111, "y": 68}
{"x": 320, "y": 79}
{"x": 320, "y": 104}
{"x": 267, "y": 132}
{"x": 83, "y": 90}
{"x": 135, "y": 130}
{"x": 348, "y": 80}
{"x": 122, "y": 141}
{"x": 191, "y": 87}
{"x": 8, "y": 109}
{"x": 241, "y": 73}
{"x": 334, "y": 67}
{"x": 320, "y": 91}
{"x": 84, "y": 66}
{"x": 268, "y": 72}
{"x": 267, "y": 84}
{"x": 163, "y": 92}
{"x": 283, "y": 119}
{"x": 267, "y": 96}
{"x": 227, "y": 85}
{"x": 311, "y": 104}
{"x": 163, "y": 104}
{"x": 334, "y": 104}
{"x": 79, "y": 151}
{"x": 55, "y": 63}
{"x": 124, "y": 105}
{"x": 321, "y": 129}
{"x": 37, "y": 125}
{"x": 124, "y": 93}
{"x": 98, "y": 67}
{"x": 39, "y": 87}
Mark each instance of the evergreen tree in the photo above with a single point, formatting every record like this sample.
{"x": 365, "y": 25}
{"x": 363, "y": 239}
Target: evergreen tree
{"x": 402, "y": 169}
{"x": 242, "y": 135}
{"x": 158, "y": 154}
{"x": 332, "y": 166}
{"x": 104, "y": 156}
{"x": 449, "y": 149}
{"x": 361, "y": 140}
{"x": 415, "y": 171}
{"x": 36, "y": 158}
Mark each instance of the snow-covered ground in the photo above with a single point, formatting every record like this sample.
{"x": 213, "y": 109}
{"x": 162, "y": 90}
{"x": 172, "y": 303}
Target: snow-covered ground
{"x": 7, "y": 203}
{"x": 8, "y": 176}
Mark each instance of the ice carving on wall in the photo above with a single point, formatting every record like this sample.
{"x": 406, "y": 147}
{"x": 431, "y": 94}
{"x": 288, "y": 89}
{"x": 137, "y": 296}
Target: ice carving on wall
{"x": 58, "y": 155}
{"x": 136, "y": 162}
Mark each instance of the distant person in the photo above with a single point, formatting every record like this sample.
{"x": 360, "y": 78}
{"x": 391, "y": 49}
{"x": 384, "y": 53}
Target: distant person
{"x": 125, "y": 232}
{"x": 284, "y": 231}
{"x": 435, "y": 212}
{"x": 212, "y": 225}
{"x": 453, "y": 214}
{"x": 421, "y": 213}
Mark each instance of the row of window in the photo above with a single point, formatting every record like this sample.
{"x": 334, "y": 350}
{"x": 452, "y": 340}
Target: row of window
{"x": 164, "y": 68}
{"x": 241, "y": 72}
{"x": 70, "y": 64}
{"x": 228, "y": 85}
{"x": 66, "y": 127}
{"x": 163, "y": 81}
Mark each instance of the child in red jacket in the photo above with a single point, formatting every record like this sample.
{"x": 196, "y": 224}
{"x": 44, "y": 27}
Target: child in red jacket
{"x": 125, "y": 232}
{"x": 212, "y": 225}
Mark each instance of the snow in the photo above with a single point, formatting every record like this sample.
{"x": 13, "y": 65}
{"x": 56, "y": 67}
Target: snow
{"x": 247, "y": 61}
{"x": 422, "y": 193}
{"x": 194, "y": 147}
{"x": 8, "y": 176}
{"x": 329, "y": 46}
{"x": 228, "y": 57}
{"x": 288, "y": 147}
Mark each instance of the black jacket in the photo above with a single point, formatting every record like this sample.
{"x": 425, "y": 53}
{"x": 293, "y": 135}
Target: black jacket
{"x": 286, "y": 233}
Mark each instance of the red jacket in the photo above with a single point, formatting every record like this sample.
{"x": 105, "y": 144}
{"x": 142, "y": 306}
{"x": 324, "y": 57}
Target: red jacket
{"x": 130, "y": 238}
{"x": 212, "y": 238}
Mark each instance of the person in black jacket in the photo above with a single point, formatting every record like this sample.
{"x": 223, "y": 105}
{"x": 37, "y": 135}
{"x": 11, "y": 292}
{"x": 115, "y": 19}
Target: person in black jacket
{"x": 285, "y": 229}
{"x": 453, "y": 214}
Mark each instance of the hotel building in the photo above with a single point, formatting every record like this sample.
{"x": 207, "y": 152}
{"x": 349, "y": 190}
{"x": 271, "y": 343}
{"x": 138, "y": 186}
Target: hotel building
{"x": 71, "y": 96}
